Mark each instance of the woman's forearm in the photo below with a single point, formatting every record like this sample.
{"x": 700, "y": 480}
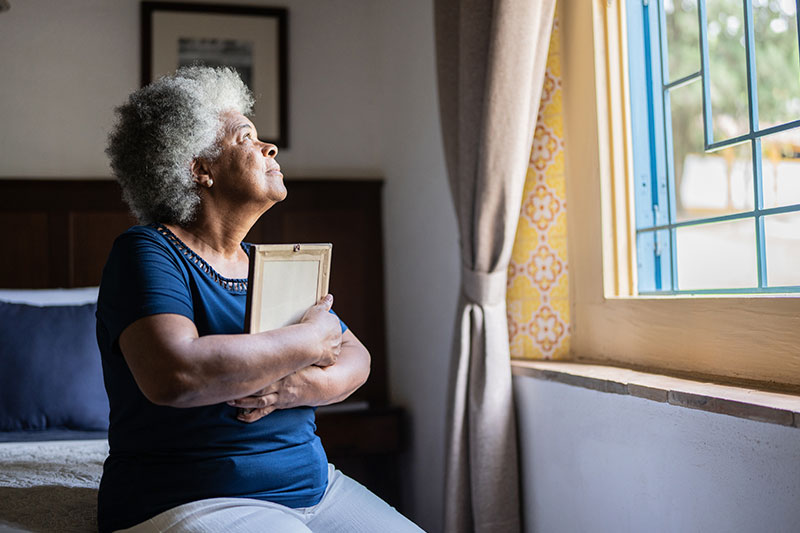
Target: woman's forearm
{"x": 313, "y": 385}
{"x": 174, "y": 366}
{"x": 332, "y": 384}
{"x": 240, "y": 364}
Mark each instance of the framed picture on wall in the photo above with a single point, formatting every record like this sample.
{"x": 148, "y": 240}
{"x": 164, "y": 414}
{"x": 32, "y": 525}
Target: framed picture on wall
{"x": 252, "y": 40}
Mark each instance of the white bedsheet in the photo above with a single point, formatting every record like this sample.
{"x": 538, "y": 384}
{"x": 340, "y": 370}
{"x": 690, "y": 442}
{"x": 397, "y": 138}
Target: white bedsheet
{"x": 50, "y": 486}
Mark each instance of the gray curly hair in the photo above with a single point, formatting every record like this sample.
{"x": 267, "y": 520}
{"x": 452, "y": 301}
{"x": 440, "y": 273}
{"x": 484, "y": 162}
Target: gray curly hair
{"x": 161, "y": 129}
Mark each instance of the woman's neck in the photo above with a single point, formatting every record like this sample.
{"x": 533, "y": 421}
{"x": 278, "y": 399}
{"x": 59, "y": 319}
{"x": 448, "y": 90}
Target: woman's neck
{"x": 218, "y": 242}
{"x": 203, "y": 237}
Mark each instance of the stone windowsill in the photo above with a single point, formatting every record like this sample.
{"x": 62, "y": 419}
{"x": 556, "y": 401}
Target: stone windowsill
{"x": 771, "y": 407}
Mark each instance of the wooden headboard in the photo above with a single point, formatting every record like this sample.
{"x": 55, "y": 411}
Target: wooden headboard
{"x": 57, "y": 233}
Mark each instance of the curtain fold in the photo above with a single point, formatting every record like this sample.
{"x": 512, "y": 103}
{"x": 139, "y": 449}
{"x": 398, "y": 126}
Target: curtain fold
{"x": 491, "y": 58}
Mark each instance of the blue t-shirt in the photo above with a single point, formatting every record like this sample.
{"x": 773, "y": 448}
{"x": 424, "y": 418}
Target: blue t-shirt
{"x": 161, "y": 457}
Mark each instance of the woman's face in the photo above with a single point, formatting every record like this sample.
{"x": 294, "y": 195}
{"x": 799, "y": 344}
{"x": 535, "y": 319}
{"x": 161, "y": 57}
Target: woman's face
{"x": 246, "y": 169}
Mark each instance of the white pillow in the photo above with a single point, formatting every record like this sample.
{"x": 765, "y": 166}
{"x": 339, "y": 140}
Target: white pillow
{"x": 48, "y": 297}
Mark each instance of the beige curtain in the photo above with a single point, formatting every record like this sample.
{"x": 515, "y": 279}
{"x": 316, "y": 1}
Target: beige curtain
{"x": 491, "y": 57}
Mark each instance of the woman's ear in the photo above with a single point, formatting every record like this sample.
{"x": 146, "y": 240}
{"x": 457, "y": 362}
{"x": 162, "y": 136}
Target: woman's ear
{"x": 201, "y": 172}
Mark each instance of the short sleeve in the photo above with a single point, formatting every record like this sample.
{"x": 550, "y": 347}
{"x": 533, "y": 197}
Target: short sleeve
{"x": 142, "y": 277}
{"x": 344, "y": 326}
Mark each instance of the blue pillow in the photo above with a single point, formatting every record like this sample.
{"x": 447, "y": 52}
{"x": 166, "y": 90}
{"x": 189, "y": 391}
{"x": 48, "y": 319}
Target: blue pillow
{"x": 51, "y": 375}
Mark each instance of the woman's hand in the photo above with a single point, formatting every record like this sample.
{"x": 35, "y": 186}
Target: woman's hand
{"x": 311, "y": 386}
{"x": 294, "y": 390}
{"x": 328, "y": 329}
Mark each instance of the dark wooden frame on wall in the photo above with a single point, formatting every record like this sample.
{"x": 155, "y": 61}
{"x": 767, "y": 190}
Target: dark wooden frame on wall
{"x": 147, "y": 10}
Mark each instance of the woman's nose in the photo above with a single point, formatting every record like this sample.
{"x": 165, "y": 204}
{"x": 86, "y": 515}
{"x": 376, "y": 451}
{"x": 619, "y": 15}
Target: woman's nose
{"x": 269, "y": 150}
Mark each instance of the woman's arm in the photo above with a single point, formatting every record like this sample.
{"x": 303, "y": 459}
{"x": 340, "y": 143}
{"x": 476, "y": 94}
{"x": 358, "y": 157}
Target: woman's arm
{"x": 174, "y": 366}
{"x": 313, "y": 385}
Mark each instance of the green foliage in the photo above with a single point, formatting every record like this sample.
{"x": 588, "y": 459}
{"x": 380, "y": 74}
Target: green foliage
{"x": 777, "y": 68}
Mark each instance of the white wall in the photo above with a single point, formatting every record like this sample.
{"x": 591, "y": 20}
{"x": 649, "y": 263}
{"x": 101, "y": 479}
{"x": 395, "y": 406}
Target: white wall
{"x": 599, "y": 462}
{"x": 64, "y": 66}
{"x": 422, "y": 247}
{"x": 362, "y": 103}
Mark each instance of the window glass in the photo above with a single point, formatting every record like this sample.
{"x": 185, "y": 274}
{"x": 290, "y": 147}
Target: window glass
{"x": 727, "y": 68}
{"x": 780, "y": 163}
{"x": 706, "y": 184}
{"x": 783, "y": 249}
{"x": 777, "y": 62}
{"x": 653, "y": 261}
{"x": 715, "y": 183}
{"x": 728, "y": 197}
{"x": 682, "y": 37}
{"x": 717, "y": 256}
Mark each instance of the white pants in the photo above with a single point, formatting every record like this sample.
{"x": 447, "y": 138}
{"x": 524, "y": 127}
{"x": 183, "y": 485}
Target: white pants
{"x": 346, "y": 507}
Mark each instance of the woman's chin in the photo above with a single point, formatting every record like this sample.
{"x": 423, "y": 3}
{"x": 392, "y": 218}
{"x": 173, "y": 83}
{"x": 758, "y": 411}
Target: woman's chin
{"x": 277, "y": 194}
{"x": 275, "y": 188}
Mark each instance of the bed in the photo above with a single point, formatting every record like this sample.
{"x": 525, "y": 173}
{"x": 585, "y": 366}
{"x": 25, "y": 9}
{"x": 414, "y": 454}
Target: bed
{"x": 59, "y": 494}
{"x": 52, "y": 443}
{"x": 53, "y": 410}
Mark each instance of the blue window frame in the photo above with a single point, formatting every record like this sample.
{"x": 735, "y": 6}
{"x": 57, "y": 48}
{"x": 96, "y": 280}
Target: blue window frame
{"x": 695, "y": 231}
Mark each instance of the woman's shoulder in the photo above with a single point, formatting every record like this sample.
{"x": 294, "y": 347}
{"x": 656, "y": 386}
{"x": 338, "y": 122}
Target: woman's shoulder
{"x": 141, "y": 255}
{"x": 140, "y": 234}
{"x": 138, "y": 241}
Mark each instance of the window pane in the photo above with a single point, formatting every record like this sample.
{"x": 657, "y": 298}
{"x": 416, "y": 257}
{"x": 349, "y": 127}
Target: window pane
{"x": 783, "y": 249}
{"x": 686, "y": 111}
{"x": 717, "y": 256}
{"x": 645, "y": 259}
{"x": 728, "y": 68}
{"x": 715, "y": 184}
{"x": 780, "y": 164}
{"x": 683, "y": 40}
{"x": 777, "y": 62}
{"x": 653, "y": 261}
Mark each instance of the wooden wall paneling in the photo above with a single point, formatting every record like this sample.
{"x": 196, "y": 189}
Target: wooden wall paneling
{"x": 24, "y": 243}
{"x": 60, "y": 249}
{"x": 347, "y": 214}
{"x": 81, "y": 219}
{"x": 354, "y": 265}
{"x": 101, "y": 227}
{"x": 372, "y": 456}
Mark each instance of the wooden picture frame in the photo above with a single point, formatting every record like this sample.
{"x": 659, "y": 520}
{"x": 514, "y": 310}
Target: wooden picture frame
{"x": 252, "y": 40}
{"x": 284, "y": 280}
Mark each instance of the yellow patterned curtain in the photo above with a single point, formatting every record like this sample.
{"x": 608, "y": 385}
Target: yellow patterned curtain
{"x": 538, "y": 285}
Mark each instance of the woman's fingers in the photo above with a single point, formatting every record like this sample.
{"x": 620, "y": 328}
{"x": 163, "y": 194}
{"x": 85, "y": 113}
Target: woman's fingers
{"x": 251, "y": 415}
{"x": 273, "y": 387}
{"x": 324, "y": 305}
{"x": 326, "y": 302}
{"x": 256, "y": 401}
{"x": 328, "y": 330}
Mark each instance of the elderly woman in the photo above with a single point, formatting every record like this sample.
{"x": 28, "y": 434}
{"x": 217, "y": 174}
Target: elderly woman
{"x": 212, "y": 429}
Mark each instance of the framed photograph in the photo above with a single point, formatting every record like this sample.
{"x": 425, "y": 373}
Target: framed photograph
{"x": 252, "y": 40}
{"x": 283, "y": 282}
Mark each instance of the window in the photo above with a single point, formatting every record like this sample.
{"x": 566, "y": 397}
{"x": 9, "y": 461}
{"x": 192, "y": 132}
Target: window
{"x": 715, "y": 103}
{"x": 735, "y": 337}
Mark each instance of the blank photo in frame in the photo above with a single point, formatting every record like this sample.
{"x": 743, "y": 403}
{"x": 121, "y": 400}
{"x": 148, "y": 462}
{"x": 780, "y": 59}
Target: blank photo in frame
{"x": 283, "y": 282}
{"x": 251, "y": 40}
